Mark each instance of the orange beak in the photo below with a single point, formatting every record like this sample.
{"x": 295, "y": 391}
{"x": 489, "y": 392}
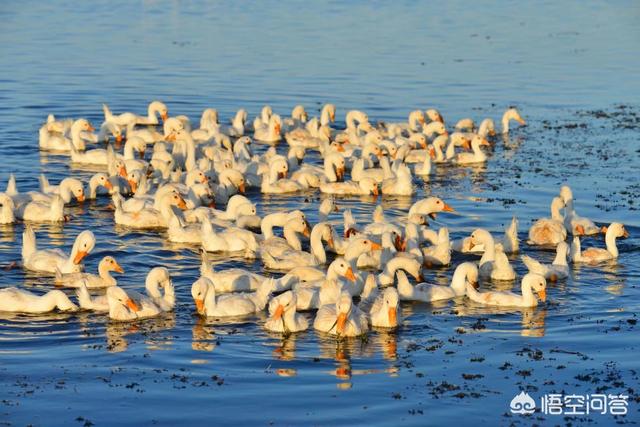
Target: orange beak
{"x": 171, "y": 137}
{"x": 376, "y": 246}
{"x": 521, "y": 121}
{"x": 340, "y": 148}
{"x": 80, "y": 197}
{"x": 553, "y": 277}
{"x": 306, "y": 232}
{"x": 182, "y": 204}
{"x": 108, "y": 185}
{"x": 91, "y": 128}
{"x": 447, "y": 208}
{"x": 432, "y": 153}
{"x": 132, "y": 305}
{"x": 393, "y": 316}
{"x": 475, "y": 285}
{"x": 133, "y": 185}
{"x": 200, "y": 305}
{"x": 543, "y": 295}
{"x": 277, "y": 128}
{"x": 340, "y": 324}
{"x": 580, "y": 230}
{"x": 241, "y": 188}
{"x": 117, "y": 268}
{"x": 282, "y": 175}
{"x": 375, "y": 191}
{"x": 446, "y": 132}
{"x": 333, "y": 117}
{"x": 279, "y": 312}
{"x": 423, "y": 145}
{"x": 141, "y": 151}
{"x": 485, "y": 142}
{"x": 123, "y": 171}
{"x": 119, "y": 138}
{"x": 340, "y": 174}
{"x": 492, "y": 132}
{"x": 164, "y": 116}
{"x": 421, "y": 120}
{"x": 79, "y": 257}
{"x": 625, "y": 234}
{"x": 349, "y": 275}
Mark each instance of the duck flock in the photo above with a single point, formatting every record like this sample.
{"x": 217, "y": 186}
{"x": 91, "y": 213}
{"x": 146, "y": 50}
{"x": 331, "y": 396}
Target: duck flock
{"x": 353, "y": 276}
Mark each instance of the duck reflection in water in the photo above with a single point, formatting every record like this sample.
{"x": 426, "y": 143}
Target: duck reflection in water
{"x": 203, "y": 335}
{"x": 151, "y": 329}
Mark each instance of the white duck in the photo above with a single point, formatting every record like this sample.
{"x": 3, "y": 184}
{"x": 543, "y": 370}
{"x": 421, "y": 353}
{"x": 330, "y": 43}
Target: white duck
{"x": 291, "y": 258}
{"x": 102, "y": 280}
{"x": 549, "y": 231}
{"x": 440, "y": 253}
{"x": 401, "y": 184}
{"x": 56, "y": 142}
{"x": 277, "y": 245}
{"x": 574, "y": 223}
{"x": 121, "y": 306}
{"x": 229, "y": 279}
{"x": 494, "y": 263}
{"x": 511, "y": 114}
{"x": 385, "y": 311}
{"x": 429, "y": 206}
{"x": 278, "y": 219}
{"x": 558, "y": 270}
{"x": 283, "y": 317}
{"x": 410, "y": 265}
{"x": 20, "y": 301}
{"x": 365, "y": 187}
{"x": 478, "y": 156}
{"x": 48, "y": 260}
{"x": 239, "y": 304}
{"x": 68, "y": 188}
{"x": 467, "y": 272}
{"x": 530, "y": 282}
{"x": 315, "y": 293}
{"x": 126, "y": 119}
{"x": 99, "y": 180}
{"x": 7, "y": 207}
{"x": 42, "y": 210}
{"x": 595, "y": 255}
{"x": 148, "y": 217}
{"x": 343, "y": 318}
{"x": 269, "y": 132}
{"x": 510, "y": 241}
{"x": 229, "y": 240}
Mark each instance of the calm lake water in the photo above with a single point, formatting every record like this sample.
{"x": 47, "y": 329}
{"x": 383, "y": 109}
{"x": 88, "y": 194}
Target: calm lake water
{"x": 570, "y": 67}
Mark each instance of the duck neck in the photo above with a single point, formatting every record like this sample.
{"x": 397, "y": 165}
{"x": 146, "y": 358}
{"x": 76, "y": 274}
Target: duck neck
{"x": 128, "y": 149}
{"x": 292, "y": 239}
{"x": 489, "y": 250}
{"x": 527, "y": 295}
{"x": 561, "y": 257}
{"x": 210, "y": 298}
{"x": 611, "y": 243}
{"x": 329, "y": 170}
{"x": 477, "y": 151}
{"x": 459, "y": 280}
{"x": 317, "y": 247}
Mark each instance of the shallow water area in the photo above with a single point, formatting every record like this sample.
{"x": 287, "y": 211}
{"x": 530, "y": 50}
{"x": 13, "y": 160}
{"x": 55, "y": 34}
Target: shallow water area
{"x": 566, "y": 66}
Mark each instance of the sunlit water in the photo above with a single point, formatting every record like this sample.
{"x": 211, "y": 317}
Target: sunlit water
{"x": 449, "y": 361}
